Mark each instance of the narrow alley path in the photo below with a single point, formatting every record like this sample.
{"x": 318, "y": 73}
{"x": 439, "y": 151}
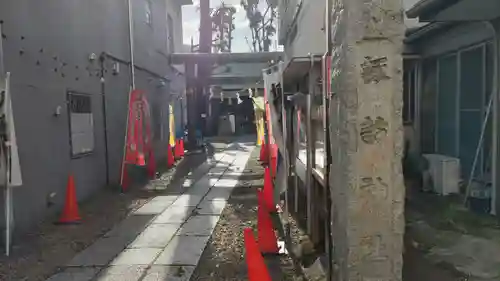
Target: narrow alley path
{"x": 164, "y": 239}
{"x": 146, "y": 233}
{"x": 224, "y": 256}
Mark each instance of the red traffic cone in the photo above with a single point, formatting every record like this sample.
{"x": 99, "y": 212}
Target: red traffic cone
{"x": 170, "y": 157}
{"x": 70, "y": 213}
{"x": 268, "y": 190}
{"x": 151, "y": 168}
{"x": 257, "y": 269}
{"x": 266, "y": 237}
{"x": 181, "y": 142}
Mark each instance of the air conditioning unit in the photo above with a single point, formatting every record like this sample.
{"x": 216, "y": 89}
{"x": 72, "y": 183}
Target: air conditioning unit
{"x": 445, "y": 173}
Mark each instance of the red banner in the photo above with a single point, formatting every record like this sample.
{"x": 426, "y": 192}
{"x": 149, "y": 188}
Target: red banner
{"x": 138, "y": 144}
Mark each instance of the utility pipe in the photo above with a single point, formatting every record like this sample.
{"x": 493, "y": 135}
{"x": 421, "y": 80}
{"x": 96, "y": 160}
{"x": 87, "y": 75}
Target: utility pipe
{"x": 131, "y": 43}
{"x": 102, "y": 59}
{"x": 132, "y": 86}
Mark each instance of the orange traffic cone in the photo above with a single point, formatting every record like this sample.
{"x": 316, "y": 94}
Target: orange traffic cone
{"x": 181, "y": 142}
{"x": 70, "y": 212}
{"x": 268, "y": 190}
{"x": 257, "y": 269}
{"x": 266, "y": 237}
{"x": 170, "y": 157}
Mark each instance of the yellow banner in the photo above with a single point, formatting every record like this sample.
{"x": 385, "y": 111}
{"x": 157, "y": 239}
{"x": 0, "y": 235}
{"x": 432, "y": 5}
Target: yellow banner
{"x": 172, "y": 125}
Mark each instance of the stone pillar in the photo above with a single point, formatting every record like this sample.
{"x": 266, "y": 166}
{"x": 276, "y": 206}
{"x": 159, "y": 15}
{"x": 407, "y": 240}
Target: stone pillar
{"x": 366, "y": 180}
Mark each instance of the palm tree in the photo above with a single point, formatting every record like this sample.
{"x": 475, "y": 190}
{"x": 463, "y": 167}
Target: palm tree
{"x": 262, "y": 25}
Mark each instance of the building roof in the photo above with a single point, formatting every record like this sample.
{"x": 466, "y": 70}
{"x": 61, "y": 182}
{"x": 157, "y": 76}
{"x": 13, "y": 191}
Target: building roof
{"x": 222, "y": 58}
{"x": 429, "y": 6}
{"x": 413, "y": 34}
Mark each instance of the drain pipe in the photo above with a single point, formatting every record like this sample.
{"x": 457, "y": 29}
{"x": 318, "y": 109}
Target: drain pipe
{"x": 131, "y": 43}
{"x": 132, "y": 86}
{"x": 102, "y": 59}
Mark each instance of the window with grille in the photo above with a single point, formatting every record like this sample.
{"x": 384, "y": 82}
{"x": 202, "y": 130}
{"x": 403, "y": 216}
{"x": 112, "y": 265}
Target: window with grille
{"x": 81, "y": 124}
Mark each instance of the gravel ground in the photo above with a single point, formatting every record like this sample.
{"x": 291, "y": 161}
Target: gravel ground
{"x": 224, "y": 256}
{"x": 417, "y": 267}
{"x": 37, "y": 254}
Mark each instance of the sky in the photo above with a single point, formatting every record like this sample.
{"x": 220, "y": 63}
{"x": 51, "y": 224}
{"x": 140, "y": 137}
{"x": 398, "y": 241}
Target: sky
{"x": 191, "y": 24}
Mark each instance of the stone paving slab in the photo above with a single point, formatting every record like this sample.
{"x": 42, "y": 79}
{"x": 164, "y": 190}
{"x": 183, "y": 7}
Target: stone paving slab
{"x": 130, "y": 227}
{"x": 216, "y": 171}
{"x": 169, "y": 273}
{"x": 188, "y": 183}
{"x": 226, "y": 183}
{"x": 155, "y": 236}
{"x": 156, "y": 205}
{"x": 175, "y": 214}
{"x": 140, "y": 256}
{"x": 217, "y": 193}
{"x": 199, "y": 225}
{"x": 212, "y": 207}
{"x": 122, "y": 273}
{"x": 187, "y": 200}
{"x": 183, "y": 250}
{"x": 200, "y": 191}
{"x": 170, "y": 232}
{"x": 205, "y": 182}
{"x": 75, "y": 274}
{"x": 101, "y": 252}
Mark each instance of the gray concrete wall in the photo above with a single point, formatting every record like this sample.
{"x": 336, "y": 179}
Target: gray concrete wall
{"x": 47, "y": 45}
{"x": 286, "y": 11}
{"x": 174, "y": 10}
{"x": 310, "y": 38}
{"x": 366, "y": 132}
